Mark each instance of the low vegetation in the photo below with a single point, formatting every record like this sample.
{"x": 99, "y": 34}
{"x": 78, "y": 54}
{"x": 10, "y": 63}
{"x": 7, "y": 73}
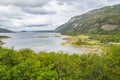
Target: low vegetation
{"x": 80, "y": 42}
{"x": 106, "y": 38}
{"x": 1, "y": 42}
{"x": 27, "y": 65}
{"x": 3, "y": 37}
{"x": 92, "y": 40}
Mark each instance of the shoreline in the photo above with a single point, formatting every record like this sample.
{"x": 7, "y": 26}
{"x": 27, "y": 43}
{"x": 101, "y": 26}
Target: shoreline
{"x": 92, "y": 47}
{"x": 1, "y": 43}
{"x": 3, "y": 37}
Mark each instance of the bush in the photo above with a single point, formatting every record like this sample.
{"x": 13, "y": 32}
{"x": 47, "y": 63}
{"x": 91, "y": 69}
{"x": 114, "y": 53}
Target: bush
{"x": 27, "y": 65}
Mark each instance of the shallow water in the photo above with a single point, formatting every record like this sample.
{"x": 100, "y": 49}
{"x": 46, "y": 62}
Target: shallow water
{"x": 39, "y": 41}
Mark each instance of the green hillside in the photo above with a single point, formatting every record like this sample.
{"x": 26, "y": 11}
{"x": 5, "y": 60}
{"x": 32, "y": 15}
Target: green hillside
{"x": 100, "y": 21}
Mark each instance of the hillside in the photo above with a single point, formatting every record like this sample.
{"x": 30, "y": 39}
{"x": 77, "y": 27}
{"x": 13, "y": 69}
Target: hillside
{"x": 105, "y": 20}
{"x": 4, "y": 30}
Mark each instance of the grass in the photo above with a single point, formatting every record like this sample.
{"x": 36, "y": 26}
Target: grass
{"x": 106, "y": 38}
{"x": 3, "y": 37}
{"x": 93, "y": 41}
{"x": 81, "y": 40}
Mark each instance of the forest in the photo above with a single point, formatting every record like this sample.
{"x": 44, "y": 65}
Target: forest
{"x": 25, "y": 64}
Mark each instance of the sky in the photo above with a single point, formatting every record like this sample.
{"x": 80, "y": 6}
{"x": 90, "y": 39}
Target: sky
{"x": 31, "y": 15}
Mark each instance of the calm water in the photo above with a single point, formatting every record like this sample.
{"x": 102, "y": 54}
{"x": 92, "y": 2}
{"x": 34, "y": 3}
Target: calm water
{"x": 41, "y": 41}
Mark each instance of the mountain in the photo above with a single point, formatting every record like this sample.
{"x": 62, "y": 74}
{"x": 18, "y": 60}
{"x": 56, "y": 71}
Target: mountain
{"x": 5, "y": 30}
{"x": 39, "y": 31}
{"x": 105, "y": 20}
{"x": 45, "y": 31}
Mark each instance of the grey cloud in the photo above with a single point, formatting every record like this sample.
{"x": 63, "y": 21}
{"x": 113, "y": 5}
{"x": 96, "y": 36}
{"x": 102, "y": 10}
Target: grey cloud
{"x": 37, "y": 25}
{"x": 15, "y": 17}
{"x": 18, "y": 14}
{"x": 11, "y": 12}
{"x": 113, "y": 0}
{"x": 38, "y": 10}
{"x": 89, "y": 3}
{"x": 6, "y": 25}
{"x": 12, "y": 16}
{"x": 70, "y": 2}
{"x": 2, "y": 20}
{"x": 24, "y": 3}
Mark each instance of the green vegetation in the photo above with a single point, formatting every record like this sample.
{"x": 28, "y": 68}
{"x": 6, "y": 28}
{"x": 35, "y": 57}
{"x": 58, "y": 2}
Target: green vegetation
{"x": 102, "y": 28}
{"x": 2, "y": 37}
{"x": 27, "y": 65}
{"x": 1, "y": 43}
{"x": 106, "y": 38}
{"x": 102, "y": 21}
{"x": 93, "y": 39}
{"x": 80, "y": 42}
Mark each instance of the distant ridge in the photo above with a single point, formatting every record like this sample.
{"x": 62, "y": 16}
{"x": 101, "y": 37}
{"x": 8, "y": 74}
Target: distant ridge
{"x": 105, "y": 20}
{"x": 46, "y": 31}
{"x": 2, "y": 30}
{"x": 39, "y": 31}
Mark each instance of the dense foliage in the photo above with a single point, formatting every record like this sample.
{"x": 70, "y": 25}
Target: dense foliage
{"x": 27, "y": 65}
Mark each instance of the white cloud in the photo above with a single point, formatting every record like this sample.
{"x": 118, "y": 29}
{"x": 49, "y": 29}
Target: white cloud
{"x": 44, "y": 14}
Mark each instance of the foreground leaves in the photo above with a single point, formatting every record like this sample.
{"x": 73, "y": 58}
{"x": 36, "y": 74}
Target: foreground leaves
{"x": 27, "y": 65}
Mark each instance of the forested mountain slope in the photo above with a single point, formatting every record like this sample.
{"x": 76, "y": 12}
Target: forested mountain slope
{"x": 100, "y": 21}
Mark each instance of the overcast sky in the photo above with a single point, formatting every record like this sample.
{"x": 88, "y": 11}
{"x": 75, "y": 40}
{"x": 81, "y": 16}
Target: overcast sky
{"x": 44, "y": 14}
